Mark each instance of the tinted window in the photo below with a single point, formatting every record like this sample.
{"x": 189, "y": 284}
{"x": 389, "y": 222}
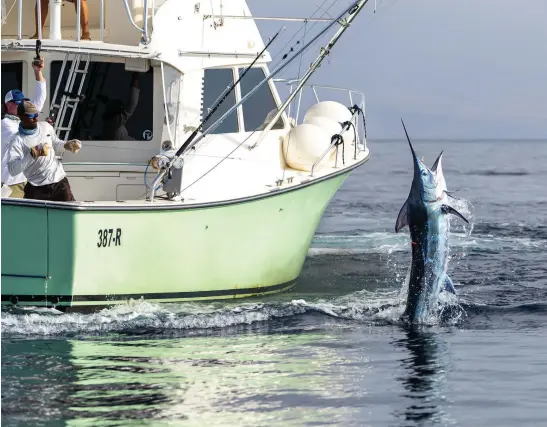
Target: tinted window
{"x": 215, "y": 82}
{"x": 261, "y": 103}
{"x": 111, "y": 109}
{"x": 12, "y": 78}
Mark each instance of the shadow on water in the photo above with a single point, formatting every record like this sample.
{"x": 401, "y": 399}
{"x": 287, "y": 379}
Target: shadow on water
{"x": 423, "y": 379}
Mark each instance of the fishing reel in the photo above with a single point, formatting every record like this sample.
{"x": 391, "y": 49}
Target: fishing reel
{"x": 36, "y": 60}
{"x": 172, "y": 166}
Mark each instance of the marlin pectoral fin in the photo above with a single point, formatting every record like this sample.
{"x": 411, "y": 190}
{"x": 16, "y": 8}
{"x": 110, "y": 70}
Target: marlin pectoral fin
{"x": 449, "y": 210}
{"x": 449, "y": 286}
{"x": 402, "y": 219}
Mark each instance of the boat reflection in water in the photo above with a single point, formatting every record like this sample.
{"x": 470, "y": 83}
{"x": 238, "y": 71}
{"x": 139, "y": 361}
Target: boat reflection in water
{"x": 243, "y": 376}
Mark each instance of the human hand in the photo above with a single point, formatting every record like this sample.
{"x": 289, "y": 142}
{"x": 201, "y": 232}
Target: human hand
{"x": 39, "y": 150}
{"x": 135, "y": 79}
{"x": 38, "y": 64}
{"x": 50, "y": 120}
{"x": 73, "y": 145}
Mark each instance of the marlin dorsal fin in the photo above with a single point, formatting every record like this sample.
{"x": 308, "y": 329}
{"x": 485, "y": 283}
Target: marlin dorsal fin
{"x": 450, "y": 210}
{"x": 437, "y": 163}
{"x": 402, "y": 218}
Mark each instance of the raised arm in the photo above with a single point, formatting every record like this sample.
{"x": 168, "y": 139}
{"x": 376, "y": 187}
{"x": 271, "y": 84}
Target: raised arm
{"x": 41, "y": 91}
{"x": 133, "y": 96}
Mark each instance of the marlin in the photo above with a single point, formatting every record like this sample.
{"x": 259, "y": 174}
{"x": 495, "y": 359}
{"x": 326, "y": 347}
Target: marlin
{"x": 426, "y": 212}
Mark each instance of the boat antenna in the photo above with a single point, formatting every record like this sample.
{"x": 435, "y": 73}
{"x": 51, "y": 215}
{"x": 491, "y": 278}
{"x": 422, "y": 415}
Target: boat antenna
{"x": 225, "y": 95}
{"x": 353, "y": 8}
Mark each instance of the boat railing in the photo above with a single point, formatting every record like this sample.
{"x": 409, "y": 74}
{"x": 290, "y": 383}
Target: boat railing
{"x": 55, "y": 18}
{"x": 355, "y": 98}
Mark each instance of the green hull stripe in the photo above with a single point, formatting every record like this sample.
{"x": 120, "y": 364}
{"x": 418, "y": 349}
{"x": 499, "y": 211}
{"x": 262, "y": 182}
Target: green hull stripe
{"x": 148, "y": 296}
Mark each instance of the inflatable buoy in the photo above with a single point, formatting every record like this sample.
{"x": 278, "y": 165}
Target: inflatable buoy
{"x": 304, "y": 145}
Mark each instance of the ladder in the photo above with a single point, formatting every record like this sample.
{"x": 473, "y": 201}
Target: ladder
{"x": 98, "y": 72}
{"x": 69, "y": 98}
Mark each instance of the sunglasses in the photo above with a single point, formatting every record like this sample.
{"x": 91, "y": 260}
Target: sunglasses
{"x": 32, "y": 115}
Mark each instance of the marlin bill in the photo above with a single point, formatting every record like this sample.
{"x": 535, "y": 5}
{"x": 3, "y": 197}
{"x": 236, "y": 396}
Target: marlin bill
{"x": 426, "y": 212}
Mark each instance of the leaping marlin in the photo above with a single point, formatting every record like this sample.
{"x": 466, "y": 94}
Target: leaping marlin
{"x": 425, "y": 212}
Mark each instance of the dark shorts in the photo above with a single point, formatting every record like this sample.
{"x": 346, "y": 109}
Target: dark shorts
{"x": 57, "y": 192}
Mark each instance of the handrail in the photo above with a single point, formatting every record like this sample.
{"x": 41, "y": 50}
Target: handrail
{"x": 130, "y": 16}
{"x": 101, "y": 22}
{"x": 143, "y": 30}
{"x": 271, "y": 18}
{"x": 39, "y": 14}
{"x": 291, "y": 82}
{"x": 78, "y": 17}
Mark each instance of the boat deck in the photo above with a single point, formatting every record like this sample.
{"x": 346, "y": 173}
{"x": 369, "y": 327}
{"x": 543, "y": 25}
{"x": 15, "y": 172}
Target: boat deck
{"x": 161, "y": 202}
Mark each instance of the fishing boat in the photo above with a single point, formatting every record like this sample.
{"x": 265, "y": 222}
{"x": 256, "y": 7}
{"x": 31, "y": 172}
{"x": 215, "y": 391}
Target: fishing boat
{"x": 215, "y": 187}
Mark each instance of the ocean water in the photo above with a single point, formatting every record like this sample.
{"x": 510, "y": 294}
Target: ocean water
{"x": 332, "y": 351}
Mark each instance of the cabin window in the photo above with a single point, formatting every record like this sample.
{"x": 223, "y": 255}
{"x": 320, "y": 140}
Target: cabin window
{"x": 215, "y": 82}
{"x": 12, "y": 78}
{"x": 260, "y": 104}
{"x": 112, "y": 108}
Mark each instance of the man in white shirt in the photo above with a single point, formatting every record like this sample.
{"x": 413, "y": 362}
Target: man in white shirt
{"x": 10, "y": 126}
{"x": 32, "y": 151}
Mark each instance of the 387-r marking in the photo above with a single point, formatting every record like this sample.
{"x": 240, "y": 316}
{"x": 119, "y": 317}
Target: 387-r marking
{"x": 107, "y": 237}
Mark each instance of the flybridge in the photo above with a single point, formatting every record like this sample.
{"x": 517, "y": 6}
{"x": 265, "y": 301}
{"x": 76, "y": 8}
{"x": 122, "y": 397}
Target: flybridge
{"x": 106, "y": 21}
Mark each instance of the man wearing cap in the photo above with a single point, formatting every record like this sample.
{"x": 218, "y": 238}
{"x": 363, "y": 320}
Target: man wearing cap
{"x": 32, "y": 151}
{"x": 10, "y": 126}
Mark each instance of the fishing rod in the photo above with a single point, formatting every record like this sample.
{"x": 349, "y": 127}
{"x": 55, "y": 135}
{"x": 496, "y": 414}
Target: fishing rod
{"x": 224, "y": 96}
{"x": 272, "y": 75}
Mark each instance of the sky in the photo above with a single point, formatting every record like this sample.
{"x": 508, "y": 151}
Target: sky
{"x": 451, "y": 69}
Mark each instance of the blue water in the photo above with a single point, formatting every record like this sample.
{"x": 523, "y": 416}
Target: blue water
{"x": 331, "y": 351}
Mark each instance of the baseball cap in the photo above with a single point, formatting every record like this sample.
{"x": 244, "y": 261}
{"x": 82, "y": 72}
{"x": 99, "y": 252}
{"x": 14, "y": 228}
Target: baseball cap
{"x": 16, "y": 96}
{"x": 26, "y": 107}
